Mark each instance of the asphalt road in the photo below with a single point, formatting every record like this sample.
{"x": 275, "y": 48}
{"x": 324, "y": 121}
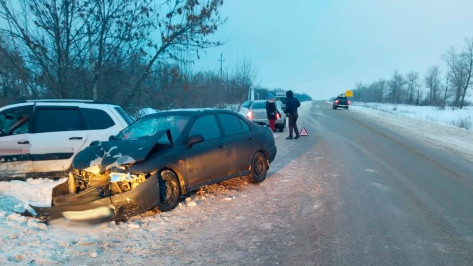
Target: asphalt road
{"x": 384, "y": 198}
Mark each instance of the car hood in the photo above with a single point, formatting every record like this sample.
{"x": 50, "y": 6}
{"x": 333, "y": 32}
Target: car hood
{"x": 104, "y": 155}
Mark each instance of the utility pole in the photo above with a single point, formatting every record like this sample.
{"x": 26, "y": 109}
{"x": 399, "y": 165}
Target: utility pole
{"x": 221, "y": 68}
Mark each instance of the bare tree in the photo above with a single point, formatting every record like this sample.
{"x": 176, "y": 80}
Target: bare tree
{"x": 243, "y": 77}
{"x": 182, "y": 24}
{"x": 12, "y": 69}
{"x": 396, "y": 88}
{"x": 433, "y": 84}
{"x": 70, "y": 44}
{"x": 460, "y": 71}
{"x": 413, "y": 87}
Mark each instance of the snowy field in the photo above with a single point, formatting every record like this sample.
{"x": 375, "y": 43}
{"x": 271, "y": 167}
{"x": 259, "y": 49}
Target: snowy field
{"x": 24, "y": 240}
{"x": 462, "y": 118}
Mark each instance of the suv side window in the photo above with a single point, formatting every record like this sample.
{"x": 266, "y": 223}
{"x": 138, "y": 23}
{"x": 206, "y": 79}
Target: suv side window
{"x": 96, "y": 119}
{"x": 207, "y": 127}
{"x": 54, "y": 119}
{"x": 15, "y": 120}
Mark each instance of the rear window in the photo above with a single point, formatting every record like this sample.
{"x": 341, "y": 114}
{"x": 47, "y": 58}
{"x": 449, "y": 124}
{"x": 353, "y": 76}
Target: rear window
{"x": 259, "y": 105}
{"x": 246, "y": 104}
{"x": 96, "y": 119}
{"x": 230, "y": 124}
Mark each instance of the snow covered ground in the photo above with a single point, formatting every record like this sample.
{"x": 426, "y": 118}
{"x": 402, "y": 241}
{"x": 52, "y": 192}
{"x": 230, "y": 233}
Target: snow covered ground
{"x": 24, "y": 240}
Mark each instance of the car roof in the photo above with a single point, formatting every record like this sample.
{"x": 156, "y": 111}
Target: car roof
{"x": 191, "y": 111}
{"x": 68, "y": 101}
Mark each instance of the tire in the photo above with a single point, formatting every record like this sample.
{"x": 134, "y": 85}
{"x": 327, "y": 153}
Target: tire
{"x": 258, "y": 168}
{"x": 170, "y": 191}
{"x": 346, "y": 108}
{"x": 334, "y": 107}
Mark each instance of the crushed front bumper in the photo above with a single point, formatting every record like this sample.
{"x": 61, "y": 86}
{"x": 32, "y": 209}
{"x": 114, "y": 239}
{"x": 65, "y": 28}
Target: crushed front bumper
{"x": 90, "y": 205}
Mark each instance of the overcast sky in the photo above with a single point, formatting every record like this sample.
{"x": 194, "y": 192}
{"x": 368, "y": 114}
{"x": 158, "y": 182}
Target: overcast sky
{"x": 324, "y": 47}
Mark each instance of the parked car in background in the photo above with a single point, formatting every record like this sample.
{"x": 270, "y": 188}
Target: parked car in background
{"x": 244, "y": 108}
{"x": 41, "y": 137}
{"x": 257, "y": 113}
{"x": 341, "y": 102}
{"x": 159, "y": 158}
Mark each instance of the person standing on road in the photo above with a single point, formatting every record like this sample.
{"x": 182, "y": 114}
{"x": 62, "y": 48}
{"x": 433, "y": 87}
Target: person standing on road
{"x": 271, "y": 111}
{"x": 292, "y": 103}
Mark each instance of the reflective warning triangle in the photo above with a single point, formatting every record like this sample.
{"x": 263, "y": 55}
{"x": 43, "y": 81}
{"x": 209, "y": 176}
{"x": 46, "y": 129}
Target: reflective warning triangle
{"x": 304, "y": 132}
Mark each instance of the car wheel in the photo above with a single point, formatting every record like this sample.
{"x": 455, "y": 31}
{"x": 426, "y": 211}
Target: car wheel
{"x": 258, "y": 168}
{"x": 169, "y": 191}
{"x": 334, "y": 107}
{"x": 347, "y": 107}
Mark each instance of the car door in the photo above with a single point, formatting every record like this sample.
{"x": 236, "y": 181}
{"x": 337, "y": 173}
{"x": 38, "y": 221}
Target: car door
{"x": 240, "y": 142}
{"x": 206, "y": 161}
{"x": 15, "y": 158}
{"x": 59, "y": 132}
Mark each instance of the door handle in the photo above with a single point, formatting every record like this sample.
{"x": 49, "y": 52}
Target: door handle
{"x": 75, "y": 138}
{"x": 23, "y": 142}
{"x": 222, "y": 146}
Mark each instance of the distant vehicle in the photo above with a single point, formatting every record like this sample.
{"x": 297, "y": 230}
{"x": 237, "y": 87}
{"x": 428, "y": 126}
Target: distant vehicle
{"x": 244, "y": 108}
{"x": 257, "y": 114}
{"x": 41, "y": 137}
{"x": 341, "y": 102}
{"x": 159, "y": 158}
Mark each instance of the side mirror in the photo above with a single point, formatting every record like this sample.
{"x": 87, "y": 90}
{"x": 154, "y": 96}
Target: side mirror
{"x": 194, "y": 140}
{"x": 112, "y": 137}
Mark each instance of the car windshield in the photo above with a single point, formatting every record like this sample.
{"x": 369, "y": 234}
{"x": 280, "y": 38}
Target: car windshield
{"x": 149, "y": 125}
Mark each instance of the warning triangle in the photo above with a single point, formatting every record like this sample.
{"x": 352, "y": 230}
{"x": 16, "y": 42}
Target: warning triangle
{"x": 304, "y": 132}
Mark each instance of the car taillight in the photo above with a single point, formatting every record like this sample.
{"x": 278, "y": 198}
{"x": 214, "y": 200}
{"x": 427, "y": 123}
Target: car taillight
{"x": 278, "y": 115}
{"x": 348, "y": 102}
{"x": 249, "y": 115}
{"x": 336, "y": 101}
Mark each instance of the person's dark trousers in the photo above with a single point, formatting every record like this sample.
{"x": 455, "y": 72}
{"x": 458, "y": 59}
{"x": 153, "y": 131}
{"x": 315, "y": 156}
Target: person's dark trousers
{"x": 293, "y": 125}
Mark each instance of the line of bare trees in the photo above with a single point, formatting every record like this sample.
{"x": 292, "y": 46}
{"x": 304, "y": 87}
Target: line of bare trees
{"x": 130, "y": 52}
{"x": 432, "y": 90}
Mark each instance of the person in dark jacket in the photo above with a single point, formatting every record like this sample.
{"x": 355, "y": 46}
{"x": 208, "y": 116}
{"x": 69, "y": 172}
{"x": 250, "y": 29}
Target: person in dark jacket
{"x": 271, "y": 111}
{"x": 292, "y": 103}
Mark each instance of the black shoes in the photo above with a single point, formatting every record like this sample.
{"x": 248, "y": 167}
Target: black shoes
{"x": 290, "y": 137}
{"x": 296, "y": 137}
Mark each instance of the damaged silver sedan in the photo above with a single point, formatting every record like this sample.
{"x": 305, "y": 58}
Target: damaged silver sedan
{"x": 157, "y": 159}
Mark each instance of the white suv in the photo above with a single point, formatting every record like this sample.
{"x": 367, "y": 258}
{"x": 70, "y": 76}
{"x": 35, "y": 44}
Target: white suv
{"x": 41, "y": 137}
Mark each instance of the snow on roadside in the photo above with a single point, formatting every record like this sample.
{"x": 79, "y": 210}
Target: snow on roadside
{"x": 426, "y": 123}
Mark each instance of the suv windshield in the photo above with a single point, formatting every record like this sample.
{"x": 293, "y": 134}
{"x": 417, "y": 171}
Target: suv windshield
{"x": 124, "y": 115}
